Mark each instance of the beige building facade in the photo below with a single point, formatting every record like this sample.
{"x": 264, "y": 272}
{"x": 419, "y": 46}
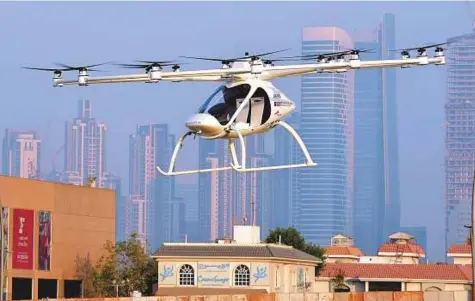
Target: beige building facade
{"x": 243, "y": 265}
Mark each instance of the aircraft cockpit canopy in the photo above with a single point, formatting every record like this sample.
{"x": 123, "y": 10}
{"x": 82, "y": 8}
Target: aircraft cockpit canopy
{"x": 222, "y": 104}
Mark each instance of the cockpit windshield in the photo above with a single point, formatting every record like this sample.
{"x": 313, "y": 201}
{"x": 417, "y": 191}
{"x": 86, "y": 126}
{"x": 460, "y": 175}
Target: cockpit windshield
{"x": 223, "y": 102}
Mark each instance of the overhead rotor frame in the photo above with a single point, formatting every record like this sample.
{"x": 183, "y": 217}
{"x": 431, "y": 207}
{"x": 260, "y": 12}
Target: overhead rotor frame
{"x": 245, "y": 69}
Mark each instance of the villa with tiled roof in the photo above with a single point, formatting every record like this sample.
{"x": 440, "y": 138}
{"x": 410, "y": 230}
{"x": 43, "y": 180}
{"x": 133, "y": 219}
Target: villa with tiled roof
{"x": 244, "y": 265}
{"x": 360, "y": 277}
{"x": 240, "y": 265}
{"x": 342, "y": 250}
{"x": 399, "y": 249}
{"x": 460, "y": 253}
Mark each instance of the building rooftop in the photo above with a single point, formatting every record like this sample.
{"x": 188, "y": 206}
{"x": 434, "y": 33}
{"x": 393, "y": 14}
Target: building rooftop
{"x": 409, "y": 248}
{"x": 399, "y": 271}
{"x": 464, "y": 248}
{"x": 343, "y": 250}
{"x": 232, "y": 250}
{"x": 398, "y": 236}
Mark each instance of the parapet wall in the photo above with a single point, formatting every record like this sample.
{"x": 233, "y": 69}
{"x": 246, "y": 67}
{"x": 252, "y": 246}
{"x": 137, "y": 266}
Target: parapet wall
{"x": 369, "y": 296}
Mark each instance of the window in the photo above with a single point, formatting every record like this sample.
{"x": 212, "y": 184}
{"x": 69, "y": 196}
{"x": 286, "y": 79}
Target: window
{"x": 242, "y": 276}
{"x": 187, "y": 275}
{"x": 277, "y": 277}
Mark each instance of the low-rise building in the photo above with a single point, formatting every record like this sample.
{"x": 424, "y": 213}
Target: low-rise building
{"x": 44, "y": 227}
{"x": 399, "y": 249}
{"x": 460, "y": 253}
{"x": 342, "y": 250}
{"x": 240, "y": 265}
{"x": 361, "y": 277}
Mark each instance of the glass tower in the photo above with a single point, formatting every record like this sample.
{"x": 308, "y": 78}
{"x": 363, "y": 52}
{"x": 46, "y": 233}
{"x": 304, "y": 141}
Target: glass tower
{"x": 325, "y": 192}
{"x": 459, "y": 136}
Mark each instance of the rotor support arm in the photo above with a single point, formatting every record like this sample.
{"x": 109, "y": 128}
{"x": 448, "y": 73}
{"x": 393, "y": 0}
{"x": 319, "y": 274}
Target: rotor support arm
{"x": 298, "y": 70}
{"x": 156, "y": 76}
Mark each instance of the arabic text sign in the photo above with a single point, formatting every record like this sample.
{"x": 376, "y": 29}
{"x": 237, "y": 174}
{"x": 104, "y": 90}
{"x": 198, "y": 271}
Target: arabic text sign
{"x": 213, "y": 280}
{"x": 214, "y": 274}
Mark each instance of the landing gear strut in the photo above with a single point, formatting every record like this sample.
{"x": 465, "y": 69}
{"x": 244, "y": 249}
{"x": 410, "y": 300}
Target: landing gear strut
{"x": 235, "y": 163}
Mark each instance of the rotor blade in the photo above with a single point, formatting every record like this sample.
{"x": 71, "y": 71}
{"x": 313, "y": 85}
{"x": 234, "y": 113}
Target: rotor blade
{"x": 234, "y": 59}
{"x": 420, "y": 47}
{"x": 80, "y": 67}
{"x": 261, "y": 54}
{"x": 131, "y": 65}
{"x": 316, "y": 55}
{"x": 155, "y": 62}
{"x": 358, "y": 51}
{"x": 43, "y": 69}
{"x": 95, "y": 65}
{"x": 205, "y": 58}
{"x": 65, "y": 66}
{"x": 143, "y": 66}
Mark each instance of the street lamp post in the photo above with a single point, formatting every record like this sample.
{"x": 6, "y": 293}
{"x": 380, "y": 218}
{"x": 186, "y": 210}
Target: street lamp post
{"x": 2, "y": 268}
{"x": 472, "y": 236}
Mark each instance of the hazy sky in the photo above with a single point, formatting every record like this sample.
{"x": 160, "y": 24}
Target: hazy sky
{"x": 92, "y": 32}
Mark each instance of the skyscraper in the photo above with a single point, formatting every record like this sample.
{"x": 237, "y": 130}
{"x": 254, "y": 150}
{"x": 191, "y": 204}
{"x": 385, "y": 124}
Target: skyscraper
{"x": 459, "y": 136}
{"x": 21, "y": 154}
{"x": 325, "y": 192}
{"x": 148, "y": 208}
{"x": 392, "y": 202}
{"x": 85, "y": 148}
{"x": 376, "y": 192}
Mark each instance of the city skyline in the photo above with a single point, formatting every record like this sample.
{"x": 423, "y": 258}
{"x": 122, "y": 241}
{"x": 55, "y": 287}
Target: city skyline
{"x": 420, "y": 147}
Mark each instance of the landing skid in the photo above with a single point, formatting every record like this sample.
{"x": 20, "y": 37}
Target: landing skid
{"x": 235, "y": 165}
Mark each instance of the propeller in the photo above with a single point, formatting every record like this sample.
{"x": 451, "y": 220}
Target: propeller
{"x": 338, "y": 54}
{"x": 227, "y": 61}
{"x": 421, "y": 49}
{"x": 176, "y": 66}
{"x": 68, "y": 68}
{"x": 358, "y": 51}
{"x": 147, "y": 65}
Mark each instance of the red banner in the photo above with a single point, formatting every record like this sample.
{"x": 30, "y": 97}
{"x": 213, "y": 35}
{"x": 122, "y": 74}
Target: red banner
{"x": 22, "y": 239}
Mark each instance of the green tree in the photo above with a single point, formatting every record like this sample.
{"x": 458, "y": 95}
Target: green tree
{"x": 288, "y": 236}
{"x": 85, "y": 271}
{"x": 291, "y": 237}
{"x": 151, "y": 276}
{"x": 125, "y": 267}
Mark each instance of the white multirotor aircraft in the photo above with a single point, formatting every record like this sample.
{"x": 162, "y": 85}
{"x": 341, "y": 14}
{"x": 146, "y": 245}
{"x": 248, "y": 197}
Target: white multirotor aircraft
{"x": 247, "y": 103}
